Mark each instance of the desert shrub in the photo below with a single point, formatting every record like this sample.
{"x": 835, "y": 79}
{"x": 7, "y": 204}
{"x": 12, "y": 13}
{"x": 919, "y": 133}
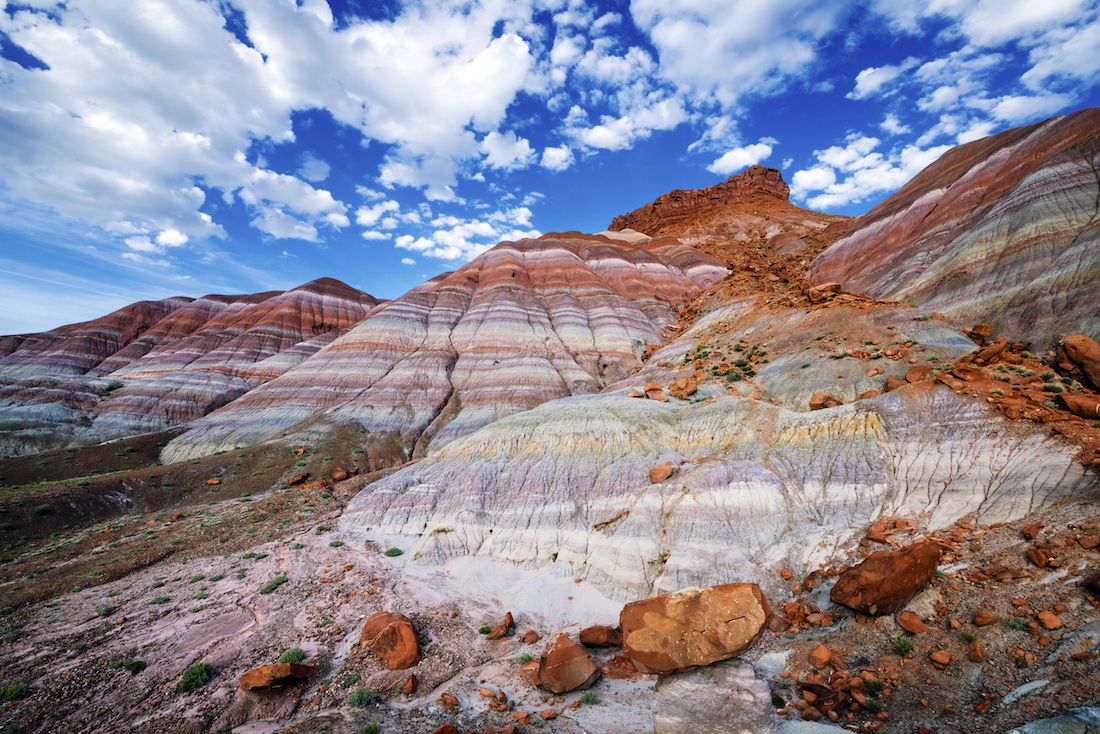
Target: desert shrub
{"x": 195, "y": 676}
{"x": 293, "y": 655}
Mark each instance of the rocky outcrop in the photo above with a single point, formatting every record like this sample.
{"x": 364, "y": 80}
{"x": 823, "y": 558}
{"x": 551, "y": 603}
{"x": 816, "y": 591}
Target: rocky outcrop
{"x": 693, "y": 627}
{"x": 524, "y": 323}
{"x": 392, "y": 639}
{"x": 565, "y": 666}
{"x": 1085, "y": 353}
{"x": 753, "y": 205}
{"x": 671, "y": 213}
{"x": 1003, "y": 230}
{"x": 277, "y": 674}
{"x": 533, "y": 488}
{"x": 886, "y": 580}
{"x": 154, "y": 365}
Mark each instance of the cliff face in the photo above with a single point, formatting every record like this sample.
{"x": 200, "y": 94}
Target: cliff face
{"x": 673, "y": 213}
{"x": 158, "y": 364}
{"x": 1004, "y": 230}
{"x": 524, "y": 323}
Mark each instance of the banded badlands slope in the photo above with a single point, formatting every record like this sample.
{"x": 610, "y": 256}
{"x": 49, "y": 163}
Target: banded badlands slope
{"x": 385, "y": 514}
{"x": 153, "y": 365}
{"x": 524, "y": 323}
{"x": 1005, "y": 230}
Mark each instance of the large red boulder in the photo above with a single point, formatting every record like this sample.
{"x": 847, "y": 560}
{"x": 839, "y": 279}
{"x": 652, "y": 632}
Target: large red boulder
{"x": 886, "y": 580}
{"x": 392, "y": 639}
{"x": 1086, "y": 353}
{"x": 692, "y": 627}
{"x": 565, "y": 666}
{"x": 279, "y": 674}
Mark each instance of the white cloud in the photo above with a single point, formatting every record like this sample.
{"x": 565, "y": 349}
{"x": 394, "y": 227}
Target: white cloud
{"x": 368, "y": 216}
{"x": 720, "y": 51}
{"x": 1017, "y": 109}
{"x": 893, "y": 125}
{"x": 408, "y": 261}
{"x": 456, "y": 238}
{"x": 557, "y": 158}
{"x": 506, "y": 150}
{"x": 737, "y": 158}
{"x": 141, "y": 101}
{"x": 313, "y": 169}
{"x": 171, "y": 238}
{"x": 857, "y": 171}
{"x": 373, "y": 234}
{"x": 871, "y": 80}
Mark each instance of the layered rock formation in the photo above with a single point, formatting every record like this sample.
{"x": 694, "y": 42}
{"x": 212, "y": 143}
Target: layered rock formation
{"x": 1005, "y": 229}
{"x": 524, "y": 323}
{"x": 757, "y": 486}
{"x": 158, "y": 364}
{"x": 753, "y": 206}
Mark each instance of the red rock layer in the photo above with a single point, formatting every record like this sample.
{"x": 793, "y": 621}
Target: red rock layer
{"x": 1004, "y": 230}
{"x": 153, "y": 365}
{"x": 526, "y": 322}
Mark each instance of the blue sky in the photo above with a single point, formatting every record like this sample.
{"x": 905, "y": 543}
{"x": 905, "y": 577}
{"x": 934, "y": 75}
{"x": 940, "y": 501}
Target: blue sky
{"x": 196, "y": 146}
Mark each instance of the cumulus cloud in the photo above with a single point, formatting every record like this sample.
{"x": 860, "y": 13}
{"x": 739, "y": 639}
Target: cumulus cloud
{"x": 144, "y": 109}
{"x": 506, "y": 150}
{"x": 858, "y": 171}
{"x": 871, "y": 80}
{"x": 313, "y": 169}
{"x": 1017, "y": 109}
{"x": 737, "y": 158}
{"x": 457, "y": 238}
{"x": 557, "y": 158}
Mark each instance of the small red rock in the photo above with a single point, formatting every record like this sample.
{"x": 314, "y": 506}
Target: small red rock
{"x": 911, "y": 623}
{"x": 941, "y": 657}
{"x": 985, "y": 618}
{"x": 213, "y": 482}
{"x": 661, "y": 472}
{"x": 448, "y": 700}
{"x": 501, "y": 630}
{"x": 1049, "y": 620}
{"x": 409, "y": 686}
{"x": 601, "y": 635}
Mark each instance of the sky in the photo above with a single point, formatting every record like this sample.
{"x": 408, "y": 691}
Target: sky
{"x": 184, "y": 147}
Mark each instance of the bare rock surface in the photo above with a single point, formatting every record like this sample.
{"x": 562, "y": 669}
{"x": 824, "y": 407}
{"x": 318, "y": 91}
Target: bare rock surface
{"x": 1002, "y": 230}
{"x": 693, "y": 627}
{"x": 886, "y": 580}
{"x": 524, "y": 323}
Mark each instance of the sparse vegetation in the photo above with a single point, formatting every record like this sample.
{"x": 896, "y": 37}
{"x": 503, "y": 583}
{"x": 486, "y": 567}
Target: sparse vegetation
{"x": 1018, "y": 623}
{"x": 485, "y": 629}
{"x": 393, "y": 552}
{"x": 160, "y": 600}
{"x": 104, "y": 611}
{"x": 14, "y": 692}
{"x": 115, "y": 385}
{"x": 589, "y": 697}
{"x": 902, "y": 646}
{"x": 372, "y": 728}
{"x": 293, "y": 655}
{"x": 362, "y": 697}
{"x": 524, "y": 658}
{"x": 273, "y": 584}
{"x": 335, "y": 543}
{"x": 195, "y": 676}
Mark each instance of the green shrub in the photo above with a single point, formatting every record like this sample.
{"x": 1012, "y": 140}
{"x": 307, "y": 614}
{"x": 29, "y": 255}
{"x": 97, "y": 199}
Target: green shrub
{"x": 197, "y": 577}
{"x": 902, "y": 646}
{"x": 393, "y": 552}
{"x": 196, "y": 676}
{"x": 525, "y": 658}
{"x": 1018, "y": 623}
{"x": 484, "y": 629}
{"x": 872, "y": 705}
{"x": 14, "y": 691}
{"x": 874, "y": 687}
{"x": 273, "y": 584}
{"x": 778, "y": 701}
{"x": 115, "y": 385}
{"x": 589, "y": 697}
{"x": 372, "y": 728}
{"x": 160, "y": 600}
{"x": 361, "y": 697}
{"x": 293, "y": 655}
{"x": 1050, "y": 387}
{"x": 335, "y": 543}
{"x": 105, "y": 611}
